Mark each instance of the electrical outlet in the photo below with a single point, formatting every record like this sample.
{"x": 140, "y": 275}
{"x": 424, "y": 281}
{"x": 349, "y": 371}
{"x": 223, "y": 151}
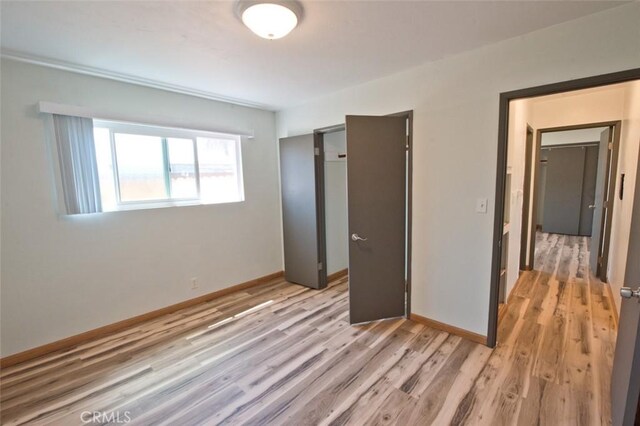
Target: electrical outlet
{"x": 481, "y": 205}
{"x": 194, "y": 283}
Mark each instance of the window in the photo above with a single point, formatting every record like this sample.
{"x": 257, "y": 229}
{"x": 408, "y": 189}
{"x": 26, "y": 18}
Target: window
{"x": 143, "y": 166}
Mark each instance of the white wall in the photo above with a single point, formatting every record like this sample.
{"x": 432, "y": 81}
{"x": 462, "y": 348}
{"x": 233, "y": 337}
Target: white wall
{"x": 623, "y": 209}
{"x": 518, "y": 121}
{"x": 579, "y": 107}
{"x": 64, "y": 275}
{"x": 569, "y": 137}
{"x": 455, "y": 103}
{"x": 335, "y": 174}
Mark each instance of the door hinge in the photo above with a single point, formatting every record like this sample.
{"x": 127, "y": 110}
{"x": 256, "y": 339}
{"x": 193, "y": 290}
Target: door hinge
{"x": 319, "y": 266}
{"x": 316, "y": 151}
{"x": 600, "y": 259}
{"x": 610, "y": 146}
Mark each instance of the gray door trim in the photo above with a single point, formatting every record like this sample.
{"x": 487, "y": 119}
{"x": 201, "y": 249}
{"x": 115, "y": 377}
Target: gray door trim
{"x": 318, "y": 139}
{"x": 321, "y": 237}
{"x": 612, "y": 170}
{"x": 330, "y": 129}
{"x": 409, "y": 116}
{"x": 612, "y": 175}
{"x": 320, "y": 201}
{"x": 535, "y": 191}
{"x": 501, "y": 169}
{"x": 525, "y": 263}
{"x": 318, "y": 145}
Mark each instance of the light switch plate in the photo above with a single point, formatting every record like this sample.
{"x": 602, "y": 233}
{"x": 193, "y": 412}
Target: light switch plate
{"x": 481, "y": 205}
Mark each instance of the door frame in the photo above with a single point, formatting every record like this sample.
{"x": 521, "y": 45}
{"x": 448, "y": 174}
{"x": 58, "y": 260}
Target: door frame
{"x": 610, "y": 186}
{"x": 318, "y": 143}
{"x": 526, "y": 263}
{"x": 501, "y": 169}
{"x": 318, "y": 138}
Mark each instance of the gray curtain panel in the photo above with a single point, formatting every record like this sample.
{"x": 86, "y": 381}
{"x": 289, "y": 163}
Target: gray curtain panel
{"x": 78, "y": 165}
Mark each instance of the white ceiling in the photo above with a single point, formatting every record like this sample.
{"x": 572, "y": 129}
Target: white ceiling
{"x": 201, "y": 47}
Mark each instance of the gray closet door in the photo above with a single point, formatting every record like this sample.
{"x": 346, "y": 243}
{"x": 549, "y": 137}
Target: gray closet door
{"x": 599, "y": 212}
{"x": 299, "y": 210}
{"x": 563, "y": 190}
{"x": 377, "y": 195}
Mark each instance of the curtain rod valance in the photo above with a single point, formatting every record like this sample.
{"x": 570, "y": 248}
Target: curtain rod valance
{"x": 84, "y": 112}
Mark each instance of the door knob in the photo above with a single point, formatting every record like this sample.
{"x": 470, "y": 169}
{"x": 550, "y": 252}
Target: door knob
{"x": 356, "y": 237}
{"x": 592, "y": 206}
{"x": 627, "y": 293}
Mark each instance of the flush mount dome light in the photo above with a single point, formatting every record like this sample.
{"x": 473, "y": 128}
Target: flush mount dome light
{"x": 270, "y": 19}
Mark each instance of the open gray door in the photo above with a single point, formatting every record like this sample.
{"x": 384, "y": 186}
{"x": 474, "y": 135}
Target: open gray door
{"x": 377, "y": 196}
{"x": 599, "y": 206}
{"x": 625, "y": 379}
{"x": 298, "y": 166}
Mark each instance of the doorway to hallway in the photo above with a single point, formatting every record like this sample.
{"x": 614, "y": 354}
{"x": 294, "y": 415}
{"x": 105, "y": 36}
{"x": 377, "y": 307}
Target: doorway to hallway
{"x": 578, "y": 232}
{"x": 561, "y": 319}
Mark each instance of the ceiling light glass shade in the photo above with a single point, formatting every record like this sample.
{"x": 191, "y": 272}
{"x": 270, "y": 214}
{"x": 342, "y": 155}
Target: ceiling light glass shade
{"x": 270, "y": 20}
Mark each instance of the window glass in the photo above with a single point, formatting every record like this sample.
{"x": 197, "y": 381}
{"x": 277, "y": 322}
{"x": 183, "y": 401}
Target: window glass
{"x": 182, "y": 168}
{"x": 102, "y": 141}
{"x": 141, "y": 170}
{"x": 220, "y": 179}
{"x": 146, "y": 166}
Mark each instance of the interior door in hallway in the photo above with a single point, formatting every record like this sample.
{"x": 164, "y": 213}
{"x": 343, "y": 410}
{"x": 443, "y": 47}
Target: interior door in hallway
{"x": 563, "y": 190}
{"x": 600, "y": 203}
{"x": 377, "y": 206}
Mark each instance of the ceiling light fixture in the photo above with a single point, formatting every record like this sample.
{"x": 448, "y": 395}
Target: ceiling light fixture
{"x": 270, "y": 19}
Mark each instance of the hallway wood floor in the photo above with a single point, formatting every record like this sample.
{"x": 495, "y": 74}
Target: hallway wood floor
{"x": 283, "y": 354}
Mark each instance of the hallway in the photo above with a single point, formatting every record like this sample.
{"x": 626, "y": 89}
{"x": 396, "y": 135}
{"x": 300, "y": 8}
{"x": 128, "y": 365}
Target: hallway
{"x": 561, "y": 320}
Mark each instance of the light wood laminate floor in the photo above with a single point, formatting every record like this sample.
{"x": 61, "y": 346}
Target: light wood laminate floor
{"x": 283, "y": 354}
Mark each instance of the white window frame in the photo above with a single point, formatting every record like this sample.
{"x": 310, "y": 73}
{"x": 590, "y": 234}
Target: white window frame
{"x": 166, "y": 133}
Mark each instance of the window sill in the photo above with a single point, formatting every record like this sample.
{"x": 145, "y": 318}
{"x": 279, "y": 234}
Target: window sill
{"x": 165, "y": 204}
{"x": 154, "y": 206}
